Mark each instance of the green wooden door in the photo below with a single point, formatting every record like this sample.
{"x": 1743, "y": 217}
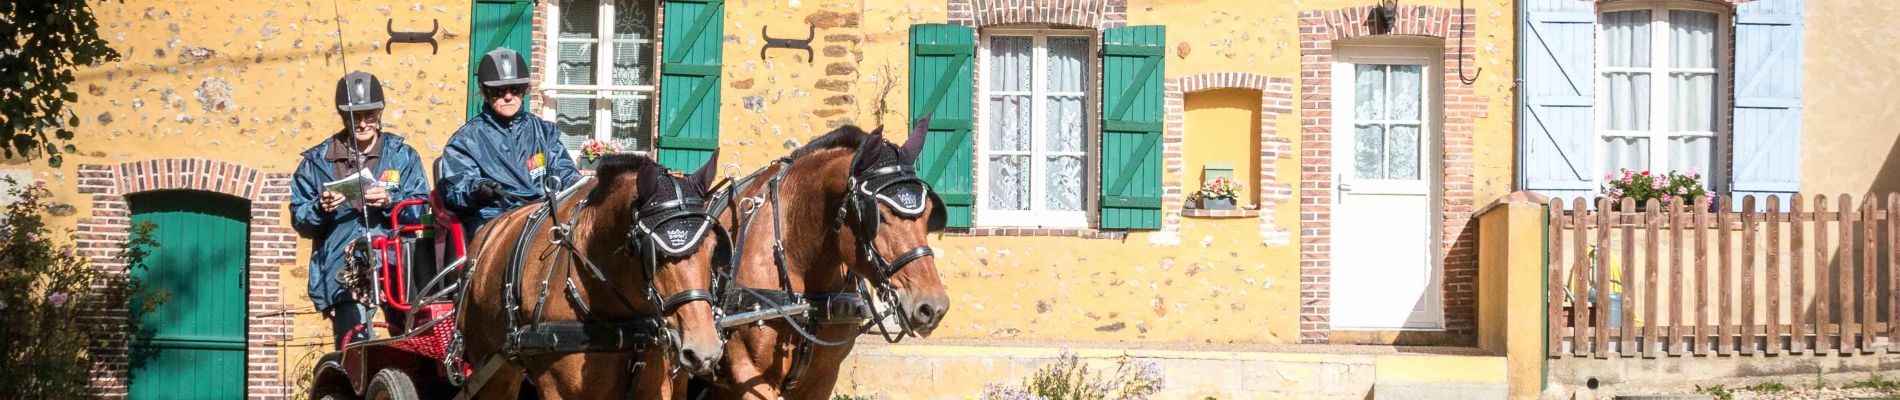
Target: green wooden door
{"x": 496, "y": 24}
{"x": 192, "y": 347}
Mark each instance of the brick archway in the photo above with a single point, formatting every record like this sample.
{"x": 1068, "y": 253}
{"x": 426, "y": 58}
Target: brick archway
{"x": 1319, "y": 29}
{"x": 1276, "y": 97}
{"x": 1095, "y": 14}
{"x": 272, "y": 244}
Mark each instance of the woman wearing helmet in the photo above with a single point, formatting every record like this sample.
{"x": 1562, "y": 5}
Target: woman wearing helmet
{"x": 506, "y": 156}
{"x": 334, "y": 221}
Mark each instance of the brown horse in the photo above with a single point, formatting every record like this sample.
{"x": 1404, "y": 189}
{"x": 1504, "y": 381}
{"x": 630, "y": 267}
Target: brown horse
{"x": 590, "y": 280}
{"x": 846, "y": 209}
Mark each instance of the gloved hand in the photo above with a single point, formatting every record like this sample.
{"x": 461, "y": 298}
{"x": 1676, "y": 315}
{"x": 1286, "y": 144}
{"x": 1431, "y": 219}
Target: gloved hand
{"x": 487, "y": 192}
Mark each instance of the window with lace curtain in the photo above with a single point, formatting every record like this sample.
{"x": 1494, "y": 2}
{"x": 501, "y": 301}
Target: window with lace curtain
{"x": 1662, "y": 74}
{"x": 1034, "y": 112}
{"x": 601, "y": 85}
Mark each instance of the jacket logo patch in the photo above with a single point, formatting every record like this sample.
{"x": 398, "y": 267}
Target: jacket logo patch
{"x": 537, "y": 165}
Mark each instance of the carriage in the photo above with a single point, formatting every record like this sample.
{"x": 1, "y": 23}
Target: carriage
{"x": 420, "y": 273}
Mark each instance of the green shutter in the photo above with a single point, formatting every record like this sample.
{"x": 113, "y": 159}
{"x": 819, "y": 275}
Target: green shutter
{"x": 497, "y": 23}
{"x": 1131, "y": 127}
{"x": 689, "y": 82}
{"x": 940, "y": 63}
{"x": 192, "y": 346}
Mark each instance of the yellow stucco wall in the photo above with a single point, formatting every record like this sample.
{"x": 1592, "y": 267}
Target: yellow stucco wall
{"x": 1218, "y": 285}
{"x": 1850, "y": 128}
{"x": 277, "y": 64}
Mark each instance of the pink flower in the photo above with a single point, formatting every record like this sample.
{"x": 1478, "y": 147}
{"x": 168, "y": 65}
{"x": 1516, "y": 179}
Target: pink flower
{"x": 1666, "y": 198}
{"x": 32, "y": 237}
{"x": 1655, "y": 185}
{"x": 39, "y": 183}
{"x": 57, "y": 298}
{"x": 66, "y": 252}
{"x": 1609, "y": 177}
{"x": 1626, "y": 174}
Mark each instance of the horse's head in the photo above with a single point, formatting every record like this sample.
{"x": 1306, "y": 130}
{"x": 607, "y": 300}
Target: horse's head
{"x": 891, "y": 212}
{"x": 672, "y": 241}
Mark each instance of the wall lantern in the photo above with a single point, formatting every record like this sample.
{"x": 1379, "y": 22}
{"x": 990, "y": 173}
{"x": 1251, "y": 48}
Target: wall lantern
{"x": 1385, "y": 16}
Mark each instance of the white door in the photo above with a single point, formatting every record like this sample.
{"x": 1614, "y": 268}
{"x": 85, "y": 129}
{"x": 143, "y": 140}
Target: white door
{"x": 1385, "y": 203}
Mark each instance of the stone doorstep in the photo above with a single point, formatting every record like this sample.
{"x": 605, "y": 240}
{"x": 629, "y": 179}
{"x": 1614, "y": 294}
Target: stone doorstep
{"x": 932, "y": 371}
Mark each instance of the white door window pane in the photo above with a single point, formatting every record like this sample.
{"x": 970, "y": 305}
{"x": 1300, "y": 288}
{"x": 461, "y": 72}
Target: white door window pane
{"x": 1067, "y": 57}
{"x": 1694, "y": 103}
{"x": 1693, "y": 39}
{"x": 1629, "y": 102}
{"x": 1402, "y": 155}
{"x": 1009, "y": 183}
{"x": 1369, "y": 152}
{"x": 1065, "y": 124}
{"x": 1065, "y": 183}
{"x": 1403, "y": 105}
{"x": 1627, "y": 38}
{"x": 1010, "y": 63}
{"x": 575, "y": 63}
{"x": 1630, "y": 153}
{"x": 574, "y": 117}
{"x": 630, "y": 117}
{"x": 631, "y": 60}
{"x": 1009, "y": 123}
{"x": 1691, "y": 153}
{"x": 1369, "y": 92}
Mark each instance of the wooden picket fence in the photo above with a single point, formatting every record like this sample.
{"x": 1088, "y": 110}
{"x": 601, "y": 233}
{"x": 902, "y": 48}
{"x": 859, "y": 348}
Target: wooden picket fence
{"x": 1817, "y": 278}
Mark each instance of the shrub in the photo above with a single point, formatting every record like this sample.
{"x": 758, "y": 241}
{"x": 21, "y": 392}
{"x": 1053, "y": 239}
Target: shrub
{"x": 1068, "y": 379}
{"x": 46, "y": 289}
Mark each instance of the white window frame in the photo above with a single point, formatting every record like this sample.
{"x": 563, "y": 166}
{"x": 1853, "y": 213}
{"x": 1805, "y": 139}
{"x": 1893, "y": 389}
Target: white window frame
{"x": 1661, "y": 122}
{"x": 1037, "y": 216}
{"x": 603, "y": 95}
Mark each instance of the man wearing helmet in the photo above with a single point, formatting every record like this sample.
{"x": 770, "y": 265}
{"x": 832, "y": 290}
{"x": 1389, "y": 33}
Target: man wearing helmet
{"x": 506, "y": 156}
{"x": 334, "y": 221}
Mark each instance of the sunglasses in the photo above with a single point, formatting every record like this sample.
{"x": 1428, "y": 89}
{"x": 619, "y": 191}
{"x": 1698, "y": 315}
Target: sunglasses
{"x": 517, "y": 90}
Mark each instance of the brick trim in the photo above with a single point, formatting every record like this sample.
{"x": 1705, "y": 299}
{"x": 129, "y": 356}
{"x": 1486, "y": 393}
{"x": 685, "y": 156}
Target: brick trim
{"x": 1276, "y": 98}
{"x": 1052, "y": 232}
{"x": 272, "y": 245}
{"x": 1093, "y": 14}
{"x": 1319, "y": 29}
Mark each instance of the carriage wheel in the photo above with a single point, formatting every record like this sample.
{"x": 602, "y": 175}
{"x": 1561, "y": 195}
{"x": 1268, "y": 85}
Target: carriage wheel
{"x": 391, "y": 384}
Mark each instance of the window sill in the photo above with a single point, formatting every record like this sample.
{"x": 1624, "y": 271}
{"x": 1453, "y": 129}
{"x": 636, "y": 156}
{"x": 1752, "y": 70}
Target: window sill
{"x": 1216, "y": 214}
{"x": 1085, "y": 233}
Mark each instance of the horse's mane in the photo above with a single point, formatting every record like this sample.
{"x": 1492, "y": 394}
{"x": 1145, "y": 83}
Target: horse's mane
{"x": 849, "y": 137}
{"x": 613, "y": 166}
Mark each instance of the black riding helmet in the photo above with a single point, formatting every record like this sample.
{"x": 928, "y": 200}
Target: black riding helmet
{"x": 358, "y": 91}
{"x": 502, "y": 67}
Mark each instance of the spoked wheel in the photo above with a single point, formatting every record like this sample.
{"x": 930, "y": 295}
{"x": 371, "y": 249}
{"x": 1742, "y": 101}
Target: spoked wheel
{"x": 391, "y": 384}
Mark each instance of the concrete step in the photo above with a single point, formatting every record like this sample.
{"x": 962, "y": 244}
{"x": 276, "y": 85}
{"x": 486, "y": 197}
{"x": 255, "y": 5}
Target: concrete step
{"x": 1439, "y": 391}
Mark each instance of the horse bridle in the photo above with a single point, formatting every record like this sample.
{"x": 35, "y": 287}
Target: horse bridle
{"x": 908, "y": 196}
{"x": 673, "y": 228}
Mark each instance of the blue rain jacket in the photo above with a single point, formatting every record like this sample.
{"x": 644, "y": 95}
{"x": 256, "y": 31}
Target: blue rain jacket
{"x": 515, "y": 153}
{"x": 398, "y": 169}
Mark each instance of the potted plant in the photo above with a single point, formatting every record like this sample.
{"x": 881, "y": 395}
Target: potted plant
{"x": 593, "y": 149}
{"x": 1218, "y": 194}
{"x": 1645, "y": 185}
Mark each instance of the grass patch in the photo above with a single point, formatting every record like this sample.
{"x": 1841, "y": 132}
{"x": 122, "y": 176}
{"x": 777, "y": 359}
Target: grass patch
{"x": 1876, "y": 382}
{"x": 1719, "y": 391}
{"x": 1768, "y": 387}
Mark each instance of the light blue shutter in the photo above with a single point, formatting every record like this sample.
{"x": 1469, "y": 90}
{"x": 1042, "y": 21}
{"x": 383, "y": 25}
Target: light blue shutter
{"x": 1556, "y": 127}
{"x": 694, "y": 34}
{"x": 1767, "y": 98}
